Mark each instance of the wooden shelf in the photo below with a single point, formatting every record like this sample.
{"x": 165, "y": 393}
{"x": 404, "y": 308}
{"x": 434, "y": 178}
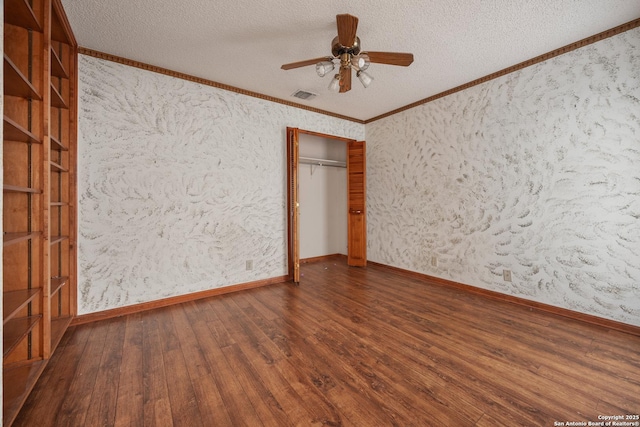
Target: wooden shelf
{"x": 56, "y": 145}
{"x": 13, "y": 238}
{"x": 58, "y": 327}
{"x": 15, "y": 330}
{"x": 57, "y": 283}
{"x": 16, "y": 84}
{"x": 55, "y": 167}
{"x": 14, "y": 132}
{"x": 17, "y": 189}
{"x": 21, "y": 15}
{"x": 56, "y": 99}
{"x": 58, "y": 204}
{"x": 58, "y": 239}
{"x": 59, "y": 31}
{"x": 57, "y": 69}
{"x": 17, "y": 384}
{"x": 14, "y": 301}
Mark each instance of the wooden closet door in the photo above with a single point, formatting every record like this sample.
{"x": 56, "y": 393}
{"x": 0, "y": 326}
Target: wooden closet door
{"x": 357, "y": 197}
{"x": 293, "y": 203}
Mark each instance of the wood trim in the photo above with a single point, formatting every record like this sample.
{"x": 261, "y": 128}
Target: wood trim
{"x": 46, "y": 177}
{"x": 288, "y": 211}
{"x": 150, "y": 305}
{"x": 183, "y": 76}
{"x": 322, "y": 258}
{"x": 575, "y": 315}
{"x": 557, "y": 52}
{"x": 326, "y": 136}
{"x": 294, "y": 200}
{"x": 292, "y": 254}
{"x": 72, "y": 148}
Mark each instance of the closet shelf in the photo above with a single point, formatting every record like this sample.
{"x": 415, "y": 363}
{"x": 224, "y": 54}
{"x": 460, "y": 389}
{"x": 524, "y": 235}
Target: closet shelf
{"x": 322, "y": 162}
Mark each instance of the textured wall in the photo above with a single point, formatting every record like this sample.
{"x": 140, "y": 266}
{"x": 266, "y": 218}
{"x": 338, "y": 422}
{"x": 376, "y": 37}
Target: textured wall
{"x": 179, "y": 185}
{"x": 537, "y": 172}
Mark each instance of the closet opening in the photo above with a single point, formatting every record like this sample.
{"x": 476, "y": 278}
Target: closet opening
{"x": 326, "y": 198}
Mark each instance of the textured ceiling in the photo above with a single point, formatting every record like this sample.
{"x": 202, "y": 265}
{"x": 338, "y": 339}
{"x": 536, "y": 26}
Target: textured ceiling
{"x": 242, "y": 43}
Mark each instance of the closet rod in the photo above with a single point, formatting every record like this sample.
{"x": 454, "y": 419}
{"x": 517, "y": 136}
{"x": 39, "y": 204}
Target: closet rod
{"x": 322, "y": 162}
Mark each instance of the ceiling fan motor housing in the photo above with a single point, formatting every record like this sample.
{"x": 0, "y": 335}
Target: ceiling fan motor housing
{"x": 337, "y": 49}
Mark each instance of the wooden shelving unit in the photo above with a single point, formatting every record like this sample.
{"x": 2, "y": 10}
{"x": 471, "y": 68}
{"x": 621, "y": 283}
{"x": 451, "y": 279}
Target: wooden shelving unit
{"x": 39, "y": 209}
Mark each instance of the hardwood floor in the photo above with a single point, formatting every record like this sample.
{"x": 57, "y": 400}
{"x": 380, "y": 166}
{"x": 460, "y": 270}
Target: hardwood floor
{"x": 349, "y": 347}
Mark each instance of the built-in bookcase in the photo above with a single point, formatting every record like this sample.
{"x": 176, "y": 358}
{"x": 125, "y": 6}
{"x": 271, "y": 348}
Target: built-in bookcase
{"x": 39, "y": 191}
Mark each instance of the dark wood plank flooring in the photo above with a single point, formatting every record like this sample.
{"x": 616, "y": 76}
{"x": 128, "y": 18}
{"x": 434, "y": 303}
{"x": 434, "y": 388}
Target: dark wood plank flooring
{"x": 349, "y": 347}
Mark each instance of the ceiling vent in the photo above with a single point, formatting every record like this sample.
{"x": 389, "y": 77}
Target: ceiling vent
{"x": 303, "y": 94}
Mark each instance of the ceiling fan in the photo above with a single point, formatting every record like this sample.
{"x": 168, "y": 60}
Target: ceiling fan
{"x": 346, "y": 48}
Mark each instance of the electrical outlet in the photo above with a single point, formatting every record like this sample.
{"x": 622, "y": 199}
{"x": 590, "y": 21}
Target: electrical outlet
{"x": 249, "y": 264}
{"x": 434, "y": 261}
{"x": 506, "y": 275}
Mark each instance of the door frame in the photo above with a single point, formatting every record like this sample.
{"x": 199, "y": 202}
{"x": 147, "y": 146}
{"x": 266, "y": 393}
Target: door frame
{"x": 293, "y": 237}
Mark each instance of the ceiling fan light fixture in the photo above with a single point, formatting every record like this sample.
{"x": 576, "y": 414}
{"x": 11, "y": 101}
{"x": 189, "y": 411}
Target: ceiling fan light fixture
{"x": 361, "y": 62}
{"x": 364, "y": 78}
{"x": 323, "y": 68}
{"x": 334, "y": 86}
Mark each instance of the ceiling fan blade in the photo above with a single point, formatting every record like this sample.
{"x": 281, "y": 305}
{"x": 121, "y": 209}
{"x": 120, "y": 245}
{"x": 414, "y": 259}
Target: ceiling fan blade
{"x": 345, "y": 79}
{"x": 299, "y": 64}
{"x": 347, "y": 26}
{"x": 391, "y": 58}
